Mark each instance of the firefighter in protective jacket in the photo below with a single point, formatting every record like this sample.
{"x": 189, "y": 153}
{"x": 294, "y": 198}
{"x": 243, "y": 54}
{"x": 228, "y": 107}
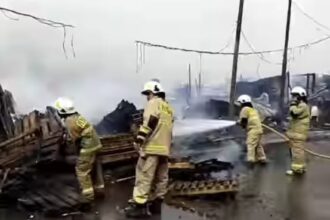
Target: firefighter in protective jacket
{"x": 83, "y": 134}
{"x": 250, "y": 121}
{"x": 153, "y": 142}
{"x": 299, "y": 123}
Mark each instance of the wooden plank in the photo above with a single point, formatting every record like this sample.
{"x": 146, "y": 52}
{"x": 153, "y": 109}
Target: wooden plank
{"x": 40, "y": 201}
{"x": 27, "y": 203}
{"x": 55, "y": 123}
{"x": 12, "y": 140}
{"x": 34, "y": 119}
{"x": 26, "y": 127}
{"x": 18, "y": 126}
{"x": 45, "y": 131}
{"x": 119, "y": 157}
{"x": 66, "y": 195}
{"x": 52, "y": 199}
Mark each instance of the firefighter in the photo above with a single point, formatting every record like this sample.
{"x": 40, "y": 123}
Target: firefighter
{"x": 314, "y": 116}
{"x": 83, "y": 134}
{"x": 153, "y": 142}
{"x": 250, "y": 121}
{"x": 299, "y": 123}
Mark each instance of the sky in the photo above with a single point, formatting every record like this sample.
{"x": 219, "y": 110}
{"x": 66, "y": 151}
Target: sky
{"x": 34, "y": 68}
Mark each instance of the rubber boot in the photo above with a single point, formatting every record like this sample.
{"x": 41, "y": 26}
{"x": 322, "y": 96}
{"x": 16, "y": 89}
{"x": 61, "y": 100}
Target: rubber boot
{"x": 250, "y": 165}
{"x": 85, "y": 205}
{"x": 155, "y": 206}
{"x": 295, "y": 173}
{"x": 263, "y": 162}
{"x": 135, "y": 210}
{"x": 289, "y": 172}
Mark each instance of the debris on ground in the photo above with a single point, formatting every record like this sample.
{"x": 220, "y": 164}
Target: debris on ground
{"x": 37, "y": 164}
{"x": 118, "y": 121}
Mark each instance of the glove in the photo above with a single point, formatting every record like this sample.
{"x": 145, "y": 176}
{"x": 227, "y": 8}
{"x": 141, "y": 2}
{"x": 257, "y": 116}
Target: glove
{"x": 65, "y": 138}
{"x": 137, "y": 146}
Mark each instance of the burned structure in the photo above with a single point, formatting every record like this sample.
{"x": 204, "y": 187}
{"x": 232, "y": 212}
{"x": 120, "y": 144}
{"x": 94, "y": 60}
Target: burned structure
{"x": 37, "y": 163}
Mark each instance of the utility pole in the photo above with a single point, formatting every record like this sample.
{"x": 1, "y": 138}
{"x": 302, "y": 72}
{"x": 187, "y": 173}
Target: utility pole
{"x": 199, "y": 83}
{"x": 189, "y": 84}
{"x": 285, "y": 59}
{"x": 235, "y": 60}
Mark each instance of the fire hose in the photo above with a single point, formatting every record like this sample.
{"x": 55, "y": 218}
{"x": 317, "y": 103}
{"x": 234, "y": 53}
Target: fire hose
{"x": 287, "y": 139}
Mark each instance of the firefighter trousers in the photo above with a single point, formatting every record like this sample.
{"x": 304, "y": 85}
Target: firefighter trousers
{"x": 84, "y": 169}
{"x": 151, "y": 178}
{"x": 255, "y": 151}
{"x": 297, "y": 147}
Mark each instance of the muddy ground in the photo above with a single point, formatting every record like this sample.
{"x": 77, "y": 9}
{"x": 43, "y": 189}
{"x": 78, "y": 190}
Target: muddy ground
{"x": 266, "y": 193}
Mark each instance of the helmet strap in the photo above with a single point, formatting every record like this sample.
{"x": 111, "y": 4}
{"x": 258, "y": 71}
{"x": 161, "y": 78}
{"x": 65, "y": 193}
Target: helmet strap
{"x": 64, "y": 116}
{"x": 247, "y": 104}
{"x": 161, "y": 95}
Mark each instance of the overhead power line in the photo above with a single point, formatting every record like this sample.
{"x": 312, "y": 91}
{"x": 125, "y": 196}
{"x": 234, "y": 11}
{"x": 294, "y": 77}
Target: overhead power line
{"x": 41, "y": 20}
{"x": 260, "y": 56}
{"x": 301, "y": 9}
{"x": 48, "y": 22}
{"x": 301, "y": 46}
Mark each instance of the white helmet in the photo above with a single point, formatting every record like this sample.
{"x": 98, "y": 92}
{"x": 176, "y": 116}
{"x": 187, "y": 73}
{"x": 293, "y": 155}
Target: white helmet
{"x": 152, "y": 86}
{"x": 244, "y": 99}
{"x": 299, "y": 91}
{"x": 64, "y": 106}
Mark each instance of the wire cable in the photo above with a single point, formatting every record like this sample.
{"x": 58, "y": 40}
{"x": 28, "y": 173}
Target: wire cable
{"x": 300, "y": 8}
{"x": 260, "y": 56}
{"x": 302, "y": 46}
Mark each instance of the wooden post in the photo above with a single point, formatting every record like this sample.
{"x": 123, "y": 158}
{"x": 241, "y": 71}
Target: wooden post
{"x": 308, "y": 84}
{"x": 285, "y": 59}
{"x": 235, "y": 60}
{"x": 313, "y": 82}
{"x": 200, "y": 83}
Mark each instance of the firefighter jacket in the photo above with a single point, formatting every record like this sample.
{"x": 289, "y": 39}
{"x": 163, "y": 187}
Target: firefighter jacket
{"x": 299, "y": 121}
{"x": 81, "y": 131}
{"x": 156, "y": 130}
{"x": 253, "y": 120}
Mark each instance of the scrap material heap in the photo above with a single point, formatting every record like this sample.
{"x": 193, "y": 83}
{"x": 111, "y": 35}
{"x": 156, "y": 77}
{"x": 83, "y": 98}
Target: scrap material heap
{"x": 195, "y": 179}
{"x": 37, "y": 170}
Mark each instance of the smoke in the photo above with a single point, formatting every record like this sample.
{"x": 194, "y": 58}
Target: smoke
{"x": 34, "y": 68}
{"x": 94, "y": 97}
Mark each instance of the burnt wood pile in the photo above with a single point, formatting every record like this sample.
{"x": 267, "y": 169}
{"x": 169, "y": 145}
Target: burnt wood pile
{"x": 37, "y": 174}
{"x": 36, "y": 137}
{"x": 117, "y": 121}
{"x": 32, "y": 175}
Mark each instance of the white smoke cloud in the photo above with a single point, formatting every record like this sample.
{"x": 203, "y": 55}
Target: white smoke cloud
{"x": 34, "y": 68}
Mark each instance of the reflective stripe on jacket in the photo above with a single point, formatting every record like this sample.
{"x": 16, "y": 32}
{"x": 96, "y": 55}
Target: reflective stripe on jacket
{"x": 254, "y": 122}
{"x": 80, "y": 129}
{"x": 299, "y": 121}
{"x": 158, "y": 141}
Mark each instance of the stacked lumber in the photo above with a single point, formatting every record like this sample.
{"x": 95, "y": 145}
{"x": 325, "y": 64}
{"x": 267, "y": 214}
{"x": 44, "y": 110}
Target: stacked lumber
{"x": 118, "y": 148}
{"x": 27, "y": 160}
{"x": 37, "y": 136}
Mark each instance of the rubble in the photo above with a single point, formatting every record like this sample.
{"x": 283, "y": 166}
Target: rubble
{"x": 118, "y": 121}
{"x": 37, "y": 164}
{"x": 33, "y": 176}
{"x": 189, "y": 178}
